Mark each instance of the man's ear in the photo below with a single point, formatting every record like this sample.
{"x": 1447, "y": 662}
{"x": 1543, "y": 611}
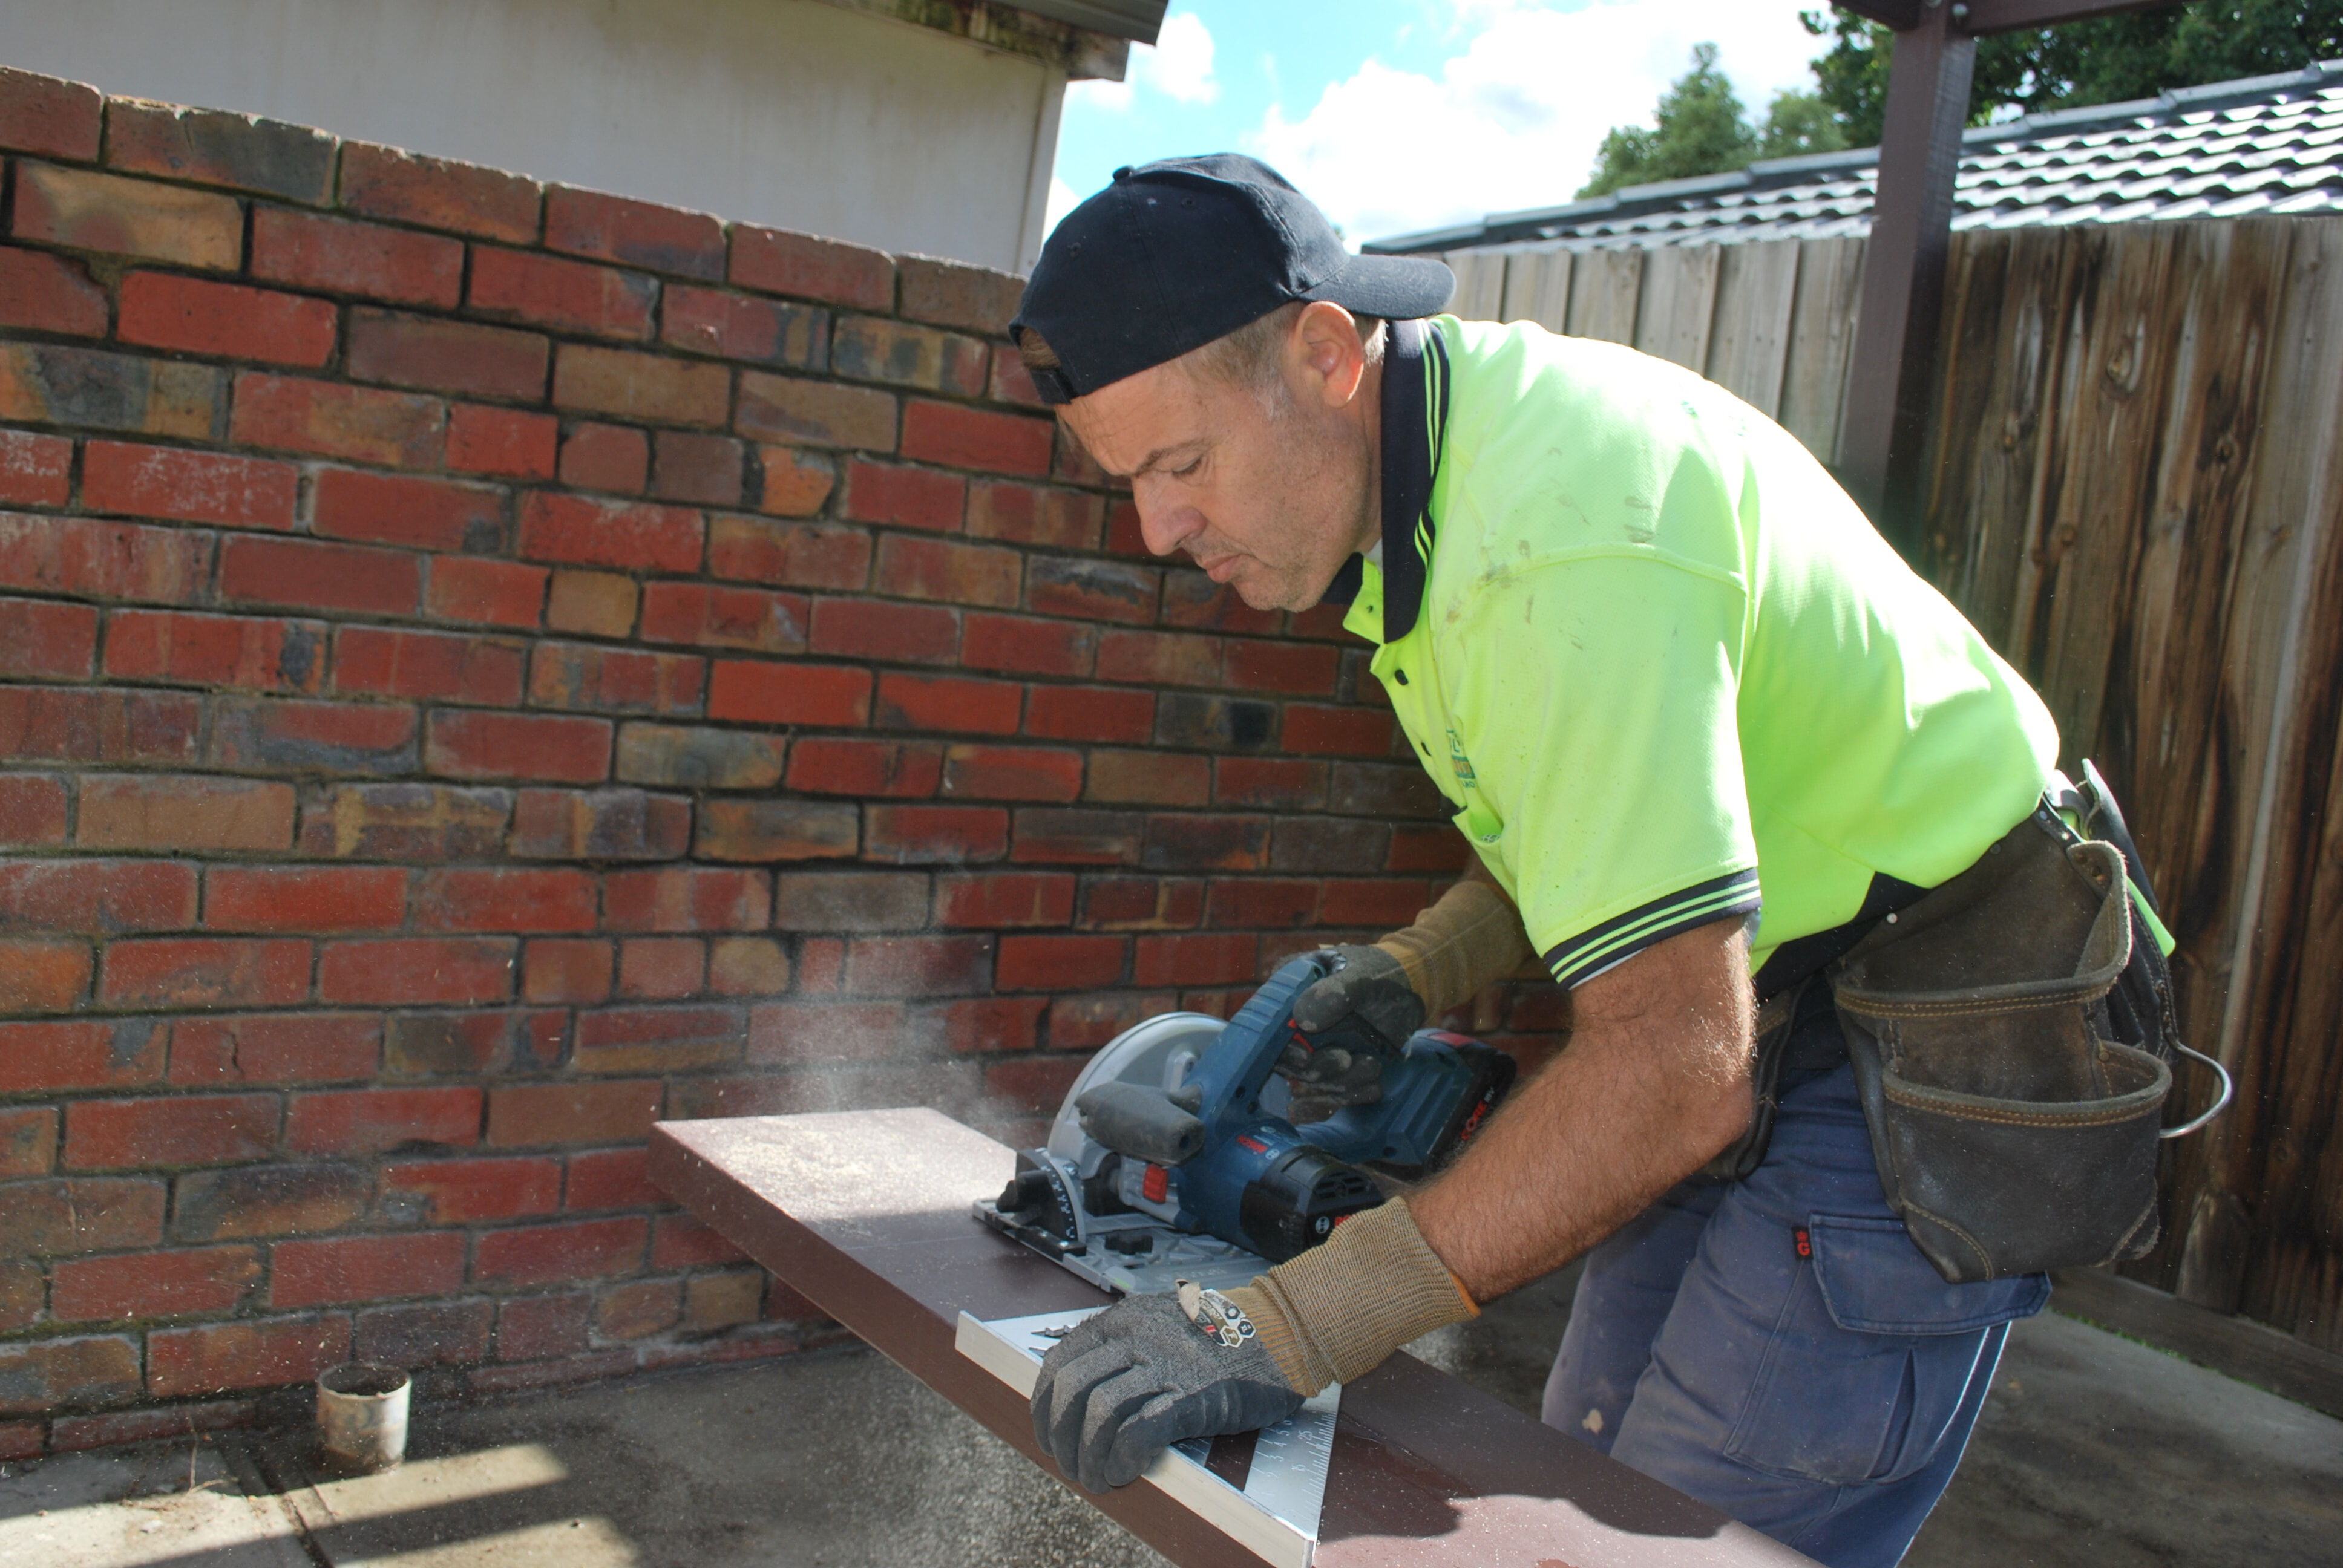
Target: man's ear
{"x": 1325, "y": 353}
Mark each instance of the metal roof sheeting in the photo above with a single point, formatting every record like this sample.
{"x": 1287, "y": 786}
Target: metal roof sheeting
{"x": 2265, "y": 144}
{"x": 1137, "y": 20}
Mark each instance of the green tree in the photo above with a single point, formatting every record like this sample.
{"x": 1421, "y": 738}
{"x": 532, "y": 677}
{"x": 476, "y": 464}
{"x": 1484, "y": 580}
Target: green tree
{"x": 1698, "y": 129}
{"x": 1798, "y": 124}
{"x": 2107, "y": 60}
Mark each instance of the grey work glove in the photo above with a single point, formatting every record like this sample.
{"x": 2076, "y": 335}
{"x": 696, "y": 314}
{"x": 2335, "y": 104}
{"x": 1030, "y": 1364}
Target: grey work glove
{"x": 1129, "y": 1381}
{"x": 1326, "y": 1077}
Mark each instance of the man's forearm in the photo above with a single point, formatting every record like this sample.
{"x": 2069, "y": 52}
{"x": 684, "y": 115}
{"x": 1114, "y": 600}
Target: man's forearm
{"x": 1654, "y": 1083}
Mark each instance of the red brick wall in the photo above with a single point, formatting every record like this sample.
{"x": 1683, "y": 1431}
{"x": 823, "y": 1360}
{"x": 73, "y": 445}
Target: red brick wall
{"x": 486, "y": 667}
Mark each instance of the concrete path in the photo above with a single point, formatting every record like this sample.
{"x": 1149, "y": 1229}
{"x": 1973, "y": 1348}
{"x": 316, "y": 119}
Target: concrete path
{"x": 2095, "y": 1450}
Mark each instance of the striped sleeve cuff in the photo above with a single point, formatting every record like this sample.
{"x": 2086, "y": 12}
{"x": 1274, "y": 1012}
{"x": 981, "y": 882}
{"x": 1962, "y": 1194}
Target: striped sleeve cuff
{"x": 1622, "y": 937}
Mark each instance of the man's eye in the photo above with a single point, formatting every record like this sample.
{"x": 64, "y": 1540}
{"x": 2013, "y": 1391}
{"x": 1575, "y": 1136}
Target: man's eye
{"x": 1188, "y": 472}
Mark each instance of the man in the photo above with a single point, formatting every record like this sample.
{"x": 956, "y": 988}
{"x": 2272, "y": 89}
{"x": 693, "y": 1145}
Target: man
{"x": 1699, "y": 722}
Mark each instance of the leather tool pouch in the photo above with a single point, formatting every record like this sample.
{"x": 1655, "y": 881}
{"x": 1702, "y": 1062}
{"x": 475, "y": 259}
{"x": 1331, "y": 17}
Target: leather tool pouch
{"x": 2014, "y": 1132}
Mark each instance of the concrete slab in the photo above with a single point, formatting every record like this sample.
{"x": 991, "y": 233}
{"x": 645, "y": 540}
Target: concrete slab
{"x": 156, "y": 1505}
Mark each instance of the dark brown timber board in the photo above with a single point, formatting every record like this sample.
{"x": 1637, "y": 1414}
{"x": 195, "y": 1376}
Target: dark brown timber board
{"x": 865, "y": 1213}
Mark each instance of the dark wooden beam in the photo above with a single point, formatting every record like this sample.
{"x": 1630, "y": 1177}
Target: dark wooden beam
{"x": 1904, "y": 271}
{"x": 1980, "y": 17}
{"x": 1896, "y": 14}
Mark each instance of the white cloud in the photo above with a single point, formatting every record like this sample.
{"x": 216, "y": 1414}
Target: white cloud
{"x": 1063, "y": 199}
{"x": 1514, "y": 121}
{"x": 1179, "y": 66}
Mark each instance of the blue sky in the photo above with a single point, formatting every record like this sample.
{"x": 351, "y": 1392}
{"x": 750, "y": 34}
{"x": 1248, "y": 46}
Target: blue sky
{"x": 1404, "y": 115}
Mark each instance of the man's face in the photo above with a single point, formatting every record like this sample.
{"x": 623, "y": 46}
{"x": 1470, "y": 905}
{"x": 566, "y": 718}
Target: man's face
{"x": 1268, "y": 493}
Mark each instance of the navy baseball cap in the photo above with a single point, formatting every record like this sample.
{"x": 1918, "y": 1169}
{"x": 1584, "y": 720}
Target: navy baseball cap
{"x": 1175, "y": 254}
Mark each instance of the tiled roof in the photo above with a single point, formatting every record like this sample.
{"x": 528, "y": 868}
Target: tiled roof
{"x": 2265, "y": 144}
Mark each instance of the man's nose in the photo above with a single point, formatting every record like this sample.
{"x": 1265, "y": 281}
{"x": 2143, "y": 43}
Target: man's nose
{"x": 1164, "y": 525}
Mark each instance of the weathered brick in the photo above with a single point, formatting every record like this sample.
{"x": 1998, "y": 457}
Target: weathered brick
{"x": 790, "y": 483}
{"x": 36, "y": 470}
{"x": 1058, "y": 963}
{"x": 153, "y": 1284}
{"x": 469, "y": 1043}
{"x": 205, "y": 971}
{"x": 1126, "y": 534}
{"x": 937, "y": 835}
{"x": 640, "y": 1309}
{"x": 195, "y": 315}
{"x": 28, "y": 1141}
{"x": 1047, "y": 834}
{"x": 247, "y": 1200}
{"x": 188, "y": 486}
{"x": 1159, "y": 658}
{"x": 1091, "y": 590}
{"x": 781, "y": 262}
{"x": 486, "y": 592}
{"x": 466, "y": 357}
{"x": 1017, "y": 644}
{"x": 485, "y": 899}
{"x": 1226, "y": 958}
{"x": 611, "y": 457}
{"x": 703, "y": 471}
{"x": 1387, "y": 904}
{"x": 599, "y": 825}
{"x": 85, "y": 210}
{"x": 428, "y": 1333}
{"x": 384, "y": 182}
{"x": 686, "y": 899}
{"x": 409, "y": 511}
{"x": 949, "y": 703}
{"x": 1300, "y": 670}
{"x": 45, "y": 383}
{"x": 760, "y": 693}
{"x": 43, "y": 974}
{"x": 827, "y": 901}
{"x": 271, "y": 1047}
{"x": 1149, "y": 779}
{"x": 575, "y": 1113}
{"x": 547, "y": 1254}
{"x": 96, "y": 896}
{"x": 579, "y": 531}
{"x": 1011, "y": 382}
{"x": 1206, "y": 843}
{"x": 24, "y": 1295}
{"x": 460, "y": 1192}
{"x": 39, "y": 1376}
{"x": 743, "y": 326}
{"x": 1327, "y": 844}
{"x": 1012, "y": 773}
{"x": 214, "y": 146}
{"x": 659, "y": 1038}
{"x": 694, "y": 759}
{"x": 358, "y": 1121}
{"x": 406, "y": 822}
{"x": 654, "y": 387}
{"x": 790, "y": 555}
{"x": 617, "y": 680}
{"x": 49, "y": 115}
{"x": 32, "y": 809}
{"x": 407, "y": 971}
{"x": 873, "y": 349}
{"x": 954, "y": 294}
{"x": 1335, "y": 731}
{"x": 566, "y": 969}
{"x": 566, "y": 295}
{"x": 309, "y": 1273}
{"x": 62, "y": 724}
{"x": 338, "y": 255}
{"x": 1005, "y": 898}
{"x": 685, "y": 1242}
{"x": 563, "y": 750}
{"x": 100, "y": 1214}
{"x": 948, "y": 570}
{"x": 186, "y": 1129}
{"x": 310, "y": 576}
{"x": 1194, "y": 600}
{"x": 1143, "y": 903}
{"x": 794, "y": 409}
{"x": 304, "y": 898}
{"x": 872, "y": 629}
{"x": 259, "y": 733}
{"x": 1384, "y": 790}
{"x": 1272, "y": 783}
{"x": 41, "y": 640}
{"x": 919, "y": 965}
{"x": 770, "y": 830}
{"x": 598, "y": 604}
{"x": 260, "y": 1353}
{"x": 75, "y": 1433}
{"x": 1090, "y": 713}
{"x": 1025, "y": 515}
{"x": 1035, "y": 1086}
{"x": 381, "y": 662}
{"x": 1263, "y": 901}
{"x": 736, "y": 966}
{"x": 636, "y": 233}
{"x": 902, "y": 770}
{"x": 1214, "y": 723}
{"x": 962, "y": 437}
{"x": 48, "y": 293}
{"x": 1438, "y": 850}
{"x": 146, "y": 811}
{"x": 323, "y": 419}
{"x": 505, "y": 442}
{"x": 724, "y": 617}
{"x": 650, "y": 969}
{"x": 537, "y": 1326}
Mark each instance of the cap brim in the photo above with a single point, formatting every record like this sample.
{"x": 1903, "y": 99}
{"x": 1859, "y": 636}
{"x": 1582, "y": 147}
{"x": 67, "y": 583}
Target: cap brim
{"x": 1396, "y": 287}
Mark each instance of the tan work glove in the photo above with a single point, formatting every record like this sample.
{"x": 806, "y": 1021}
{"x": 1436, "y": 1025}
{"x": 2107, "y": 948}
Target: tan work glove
{"x": 1471, "y": 937}
{"x": 1336, "y": 1310}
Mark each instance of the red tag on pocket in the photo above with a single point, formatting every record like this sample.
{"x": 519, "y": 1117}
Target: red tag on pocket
{"x": 1805, "y": 1242}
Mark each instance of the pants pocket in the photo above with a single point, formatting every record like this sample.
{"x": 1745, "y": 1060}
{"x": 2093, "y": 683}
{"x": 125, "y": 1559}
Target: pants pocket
{"x": 1872, "y": 1357}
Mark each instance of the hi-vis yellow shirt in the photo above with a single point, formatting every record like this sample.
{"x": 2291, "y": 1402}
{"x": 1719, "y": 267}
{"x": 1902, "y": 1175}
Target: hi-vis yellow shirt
{"x": 1663, "y": 668}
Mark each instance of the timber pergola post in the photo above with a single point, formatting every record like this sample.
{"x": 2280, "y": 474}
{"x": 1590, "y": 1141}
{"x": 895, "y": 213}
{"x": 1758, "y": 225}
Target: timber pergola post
{"x": 1895, "y": 336}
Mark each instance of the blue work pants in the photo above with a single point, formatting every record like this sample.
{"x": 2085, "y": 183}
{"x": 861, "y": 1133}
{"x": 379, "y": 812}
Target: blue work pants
{"x": 1779, "y": 1348}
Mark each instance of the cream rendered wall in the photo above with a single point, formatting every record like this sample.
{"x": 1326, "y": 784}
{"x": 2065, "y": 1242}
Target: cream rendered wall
{"x": 790, "y": 112}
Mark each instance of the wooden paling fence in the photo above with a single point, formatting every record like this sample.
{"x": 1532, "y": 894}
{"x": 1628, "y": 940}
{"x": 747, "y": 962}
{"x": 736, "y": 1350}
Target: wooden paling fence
{"x": 2136, "y": 494}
